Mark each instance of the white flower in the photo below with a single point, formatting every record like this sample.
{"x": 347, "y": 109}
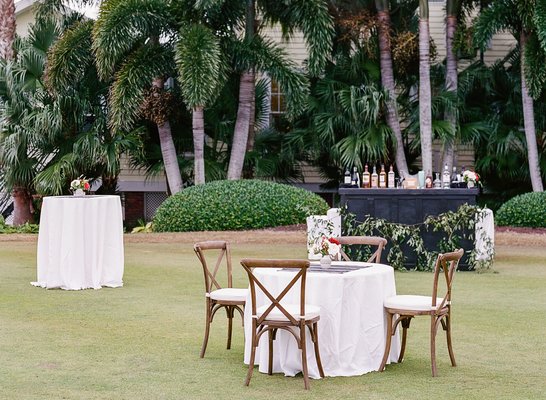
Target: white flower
{"x": 333, "y": 249}
{"x": 75, "y": 183}
{"x": 469, "y": 176}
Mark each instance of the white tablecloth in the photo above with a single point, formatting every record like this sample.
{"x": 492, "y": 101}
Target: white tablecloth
{"x": 352, "y": 324}
{"x": 80, "y": 243}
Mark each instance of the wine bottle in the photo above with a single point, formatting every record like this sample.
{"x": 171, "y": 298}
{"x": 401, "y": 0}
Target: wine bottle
{"x": 391, "y": 182}
{"x": 375, "y": 178}
{"x": 366, "y": 177}
{"x": 446, "y": 179}
{"x": 454, "y": 178}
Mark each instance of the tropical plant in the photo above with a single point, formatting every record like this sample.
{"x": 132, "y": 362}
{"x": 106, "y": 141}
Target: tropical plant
{"x": 526, "y": 22}
{"x": 21, "y": 91}
{"x": 425, "y": 92}
{"x": 128, "y": 46}
{"x": 235, "y": 205}
{"x": 7, "y": 29}
{"x": 252, "y": 53}
{"x": 524, "y": 210}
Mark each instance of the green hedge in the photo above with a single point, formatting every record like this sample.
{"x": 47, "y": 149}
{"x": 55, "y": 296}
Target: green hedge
{"x": 235, "y": 205}
{"x": 527, "y": 210}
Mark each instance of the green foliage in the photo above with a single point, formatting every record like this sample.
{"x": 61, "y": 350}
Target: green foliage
{"x": 236, "y": 205}
{"x": 25, "y": 228}
{"x": 527, "y": 210}
{"x": 455, "y": 225}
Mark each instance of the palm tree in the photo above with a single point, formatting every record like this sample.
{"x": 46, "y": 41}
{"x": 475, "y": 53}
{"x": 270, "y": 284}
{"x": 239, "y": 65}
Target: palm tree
{"x": 388, "y": 83}
{"x": 523, "y": 19}
{"x": 7, "y": 29}
{"x": 199, "y": 60}
{"x": 252, "y": 54}
{"x": 452, "y": 12}
{"x": 21, "y": 91}
{"x": 127, "y": 46}
{"x": 78, "y": 138}
{"x": 425, "y": 94}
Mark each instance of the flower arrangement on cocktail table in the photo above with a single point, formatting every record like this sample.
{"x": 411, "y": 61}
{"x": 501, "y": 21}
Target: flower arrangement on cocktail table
{"x": 80, "y": 186}
{"x": 471, "y": 178}
{"x": 328, "y": 247}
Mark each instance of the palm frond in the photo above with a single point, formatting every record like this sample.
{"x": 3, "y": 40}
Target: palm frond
{"x": 201, "y": 68}
{"x": 124, "y": 24}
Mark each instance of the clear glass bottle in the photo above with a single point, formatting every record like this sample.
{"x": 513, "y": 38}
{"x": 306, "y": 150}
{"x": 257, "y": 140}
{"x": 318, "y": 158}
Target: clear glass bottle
{"x": 446, "y": 178}
{"x": 391, "y": 178}
{"x": 437, "y": 182}
{"x": 355, "y": 177}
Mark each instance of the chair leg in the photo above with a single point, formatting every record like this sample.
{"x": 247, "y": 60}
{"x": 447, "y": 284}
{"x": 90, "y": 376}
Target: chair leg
{"x": 252, "y": 354}
{"x": 317, "y": 353}
{"x": 270, "y": 362}
{"x": 405, "y": 326}
{"x": 229, "y": 311}
{"x": 387, "y": 342}
{"x": 303, "y": 345}
{"x": 449, "y": 345}
{"x": 207, "y": 330}
{"x": 433, "y": 329}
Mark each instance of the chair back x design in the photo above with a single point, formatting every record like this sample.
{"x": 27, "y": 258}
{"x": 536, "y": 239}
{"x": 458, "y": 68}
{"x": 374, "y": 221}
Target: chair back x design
{"x": 216, "y": 296}
{"x": 282, "y": 315}
{"x": 379, "y": 242}
{"x": 401, "y": 309}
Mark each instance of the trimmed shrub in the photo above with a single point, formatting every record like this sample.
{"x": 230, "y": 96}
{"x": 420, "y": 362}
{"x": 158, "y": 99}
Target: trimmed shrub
{"x": 236, "y": 205}
{"x": 527, "y": 210}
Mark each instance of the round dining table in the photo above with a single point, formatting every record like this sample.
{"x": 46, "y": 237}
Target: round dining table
{"x": 352, "y": 324}
{"x": 80, "y": 243}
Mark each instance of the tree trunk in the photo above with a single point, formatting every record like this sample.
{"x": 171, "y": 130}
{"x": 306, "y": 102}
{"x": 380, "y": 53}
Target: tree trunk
{"x": 252, "y": 121}
{"x": 246, "y": 104}
{"x": 240, "y": 136}
{"x": 529, "y": 124}
{"x": 168, "y": 151}
{"x": 387, "y": 81}
{"x": 425, "y": 96}
{"x": 198, "y": 123}
{"x": 7, "y": 29}
{"x": 451, "y": 85}
{"x": 22, "y": 206}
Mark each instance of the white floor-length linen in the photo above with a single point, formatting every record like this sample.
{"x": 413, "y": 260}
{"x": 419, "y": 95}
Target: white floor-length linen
{"x": 352, "y": 324}
{"x": 80, "y": 243}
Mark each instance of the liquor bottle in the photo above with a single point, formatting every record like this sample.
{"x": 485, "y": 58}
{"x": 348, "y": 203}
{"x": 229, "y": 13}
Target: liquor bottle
{"x": 382, "y": 177}
{"x": 347, "y": 177}
{"x": 437, "y": 182}
{"x": 454, "y": 178}
{"x": 446, "y": 179}
{"x": 461, "y": 175}
{"x": 375, "y": 178}
{"x": 366, "y": 177}
{"x": 355, "y": 178}
{"x": 391, "y": 178}
{"x": 428, "y": 180}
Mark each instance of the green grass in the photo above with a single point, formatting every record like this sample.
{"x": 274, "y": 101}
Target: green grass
{"x": 142, "y": 341}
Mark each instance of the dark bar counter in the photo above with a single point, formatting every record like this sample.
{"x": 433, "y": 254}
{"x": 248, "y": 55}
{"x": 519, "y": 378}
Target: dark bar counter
{"x": 408, "y": 206}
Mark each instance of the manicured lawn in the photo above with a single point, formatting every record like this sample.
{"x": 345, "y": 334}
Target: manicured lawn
{"x": 142, "y": 341}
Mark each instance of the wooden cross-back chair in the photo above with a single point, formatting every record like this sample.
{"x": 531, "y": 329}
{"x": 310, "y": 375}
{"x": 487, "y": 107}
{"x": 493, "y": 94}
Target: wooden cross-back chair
{"x": 217, "y": 297}
{"x": 379, "y": 242}
{"x": 438, "y": 308}
{"x": 276, "y": 315}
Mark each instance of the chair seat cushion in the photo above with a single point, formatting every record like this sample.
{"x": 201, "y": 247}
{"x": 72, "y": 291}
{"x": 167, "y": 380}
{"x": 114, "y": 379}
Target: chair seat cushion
{"x": 293, "y": 309}
{"x": 229, "y": 294}
{"x": 411, "y": 302}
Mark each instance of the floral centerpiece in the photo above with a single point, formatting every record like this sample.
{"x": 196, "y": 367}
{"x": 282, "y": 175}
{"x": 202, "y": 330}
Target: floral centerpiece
{"x": 471, "y": 178}
{"x": 328, "y": 247}
{"x": 80, "y": 186}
